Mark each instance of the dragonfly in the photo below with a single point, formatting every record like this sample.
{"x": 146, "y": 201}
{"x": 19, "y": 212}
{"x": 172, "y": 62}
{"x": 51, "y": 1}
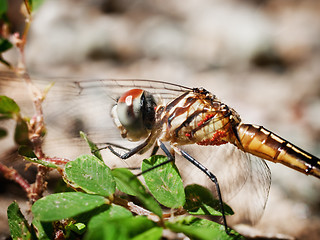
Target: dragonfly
{"x": 181, "y": 120}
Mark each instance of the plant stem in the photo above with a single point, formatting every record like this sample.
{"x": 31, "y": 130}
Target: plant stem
{"x": 12, "y": 174}
{"x": 38, "y": 187}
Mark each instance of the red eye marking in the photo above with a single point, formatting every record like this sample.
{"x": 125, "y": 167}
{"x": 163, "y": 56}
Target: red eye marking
{"x": 133, "y": 93}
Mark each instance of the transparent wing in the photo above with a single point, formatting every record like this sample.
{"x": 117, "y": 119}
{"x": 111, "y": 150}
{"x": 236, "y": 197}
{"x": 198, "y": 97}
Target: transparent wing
{"x": 251, "y": 202}
{"x": 75, "y": 104}
{"x": 115, "y": 87}
{"x": 244, "y": 179}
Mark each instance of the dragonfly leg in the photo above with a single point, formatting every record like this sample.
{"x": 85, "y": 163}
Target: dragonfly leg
{"x": 130, "y": 152}
{"x": 168, "y": 154}
{"x": 110, "y": 144}
{"x": 154, "y": 150}
{"x": 141, "y": 148}
{"x": 212, "y": 177}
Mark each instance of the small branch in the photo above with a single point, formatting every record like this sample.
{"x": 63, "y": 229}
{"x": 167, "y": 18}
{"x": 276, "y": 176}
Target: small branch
{"x": 57, "y": 160}
{"x": 178, "y": 212}
{"x": 26, "y": 3}
{"x": 144, "y": 212}
{"x": 36, "y": 126}
{"x": 13, "y": 175}
{"x": 59, "y": 235}
{"x": 21, "y": 44}
{"x": 38, "y": 187}
{"x": 136, "y": 209}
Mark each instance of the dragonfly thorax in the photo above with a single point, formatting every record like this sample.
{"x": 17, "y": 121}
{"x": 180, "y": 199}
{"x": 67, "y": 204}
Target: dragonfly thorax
{"x": 134, "y": 114}
{"x": 198, "y": 117}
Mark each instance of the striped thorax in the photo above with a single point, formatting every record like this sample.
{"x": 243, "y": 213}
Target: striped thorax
{"x": 197, "y": 116}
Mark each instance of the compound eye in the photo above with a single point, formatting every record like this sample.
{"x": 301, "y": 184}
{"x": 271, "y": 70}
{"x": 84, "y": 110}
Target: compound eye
{"x": 130, "y": 113}
{"x": 129, "y": 96}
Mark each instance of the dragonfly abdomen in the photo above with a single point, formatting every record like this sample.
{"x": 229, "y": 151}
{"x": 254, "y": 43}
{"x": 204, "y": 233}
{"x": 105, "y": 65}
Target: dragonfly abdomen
{"x": 263, "y": 143}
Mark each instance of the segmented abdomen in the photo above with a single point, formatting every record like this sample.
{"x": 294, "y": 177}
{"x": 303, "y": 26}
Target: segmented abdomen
{"x": 260, "y": 142}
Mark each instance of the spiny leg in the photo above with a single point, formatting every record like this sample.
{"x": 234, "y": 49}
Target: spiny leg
{"x": 130, "y": 152}
{"x": 154, "y": 150}
{"x": 107, "y": 144}
{"x": 137, "y": 149}
{"x": 212, "y": 177}
{"x": 168, "y": 154}
{"x": 141, "y": 148}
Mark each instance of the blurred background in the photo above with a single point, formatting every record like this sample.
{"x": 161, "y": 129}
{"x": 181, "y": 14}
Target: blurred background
{"x": 261, "y": 57}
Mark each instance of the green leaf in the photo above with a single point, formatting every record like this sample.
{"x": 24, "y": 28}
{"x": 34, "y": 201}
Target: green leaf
{"x": 86, "y": 217}
{"x": 19, "y": 227}
{"x": 62, "y": 186}
{"x": 3, "y": 7}
{"x": 8, "y": 107}
{"x": 151, "y": 234}
{"x": 105, "y": 211}
{"x": 197, "y": 228}
{"x": 118, "y": 228}
{"x": 128, "y": 179}
{"x": 21, "y": 134}
{"x": 5, "y": 44}
{"x": 93, "y": 147}
{"x": 199, "y": 201}
{"x": 90, "y": 174}
{"x": 44, "y": 163}
{"x": 164, "y": 182}
{"x": 2, "y": 60}
{"x": 3, "y": 132}
{"x": 113, "y": 212}
{"x": 78, "y": 228}
{"x": 121, "y": 181}
{"x": 65, "y": 205}
{"x": 27, "y": 151}
{"x": 44, "y": 230}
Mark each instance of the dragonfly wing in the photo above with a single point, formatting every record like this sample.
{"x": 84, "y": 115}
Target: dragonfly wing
{"x": 244, "y": 181}
{"x": 116, "y": 87}
{"x": 92, "y": 101}
{"x": 75, "y": 104}
{"x": 251, "y": 201}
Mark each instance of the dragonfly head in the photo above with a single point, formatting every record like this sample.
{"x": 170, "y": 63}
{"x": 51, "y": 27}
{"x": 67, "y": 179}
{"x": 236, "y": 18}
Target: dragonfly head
{"x": 134, "y": 114}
